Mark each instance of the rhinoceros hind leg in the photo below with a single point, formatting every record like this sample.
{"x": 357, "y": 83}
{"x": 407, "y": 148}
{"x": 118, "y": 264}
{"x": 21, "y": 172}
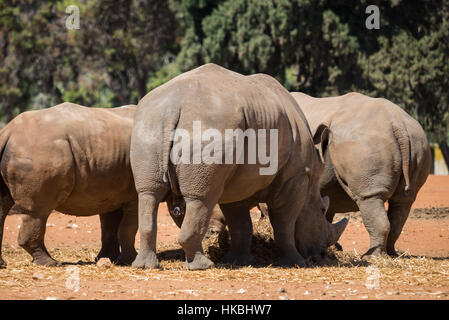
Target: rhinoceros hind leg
{"x": 241, "y": 231}
{"x": 376, "y": 222}
{"x": 109, "y": 241}
{"x": 126, "y": 259}
{"x": 148, "y": 206}
{"x": 194, "y": 227}
{"x": 147, "y": 261}
{"x": 127, "y": 234}
{"x": 31, "y": 236}
{"x": 397, "y": 214}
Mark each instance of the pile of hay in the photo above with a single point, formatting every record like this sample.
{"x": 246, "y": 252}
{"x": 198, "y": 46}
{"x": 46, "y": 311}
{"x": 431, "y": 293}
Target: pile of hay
{"x": 262, "y": 246}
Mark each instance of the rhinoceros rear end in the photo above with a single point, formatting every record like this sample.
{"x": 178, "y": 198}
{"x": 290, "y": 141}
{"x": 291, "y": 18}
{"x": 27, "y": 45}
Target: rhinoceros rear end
{"x": 193, "y": 114}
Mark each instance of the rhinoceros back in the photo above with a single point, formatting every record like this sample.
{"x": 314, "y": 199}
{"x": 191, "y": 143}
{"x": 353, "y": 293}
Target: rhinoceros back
{"x": 83, "y": 152}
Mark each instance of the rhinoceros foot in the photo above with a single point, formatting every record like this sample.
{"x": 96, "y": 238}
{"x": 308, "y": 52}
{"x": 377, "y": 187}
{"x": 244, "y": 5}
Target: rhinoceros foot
{"x": 146, "y": 261}
{"x": 199, "y": 262}
{"x": 291, "y": 261}
{"x": 111, "y": 254}
{"x": 45, "y": 260}
{"x": 393, "y": 253}
{"x": 373, "y": 253}
{"x": 125, "y": 259}
{"x": 239, "y": 258}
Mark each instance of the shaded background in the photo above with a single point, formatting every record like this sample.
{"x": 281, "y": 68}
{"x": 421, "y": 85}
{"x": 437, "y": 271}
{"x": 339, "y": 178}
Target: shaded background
{"x": 125, "y": 48}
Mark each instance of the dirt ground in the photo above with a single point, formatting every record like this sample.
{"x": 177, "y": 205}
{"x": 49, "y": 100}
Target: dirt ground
{"x": 421, "y": 272}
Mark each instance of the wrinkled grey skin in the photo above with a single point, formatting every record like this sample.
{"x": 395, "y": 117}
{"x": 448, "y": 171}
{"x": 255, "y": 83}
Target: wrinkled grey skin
{"x": 217, "y": 223}
{"x": 222, "y": 99}
{"x": 376, "y": 153}
{"x": 74, "y": 160}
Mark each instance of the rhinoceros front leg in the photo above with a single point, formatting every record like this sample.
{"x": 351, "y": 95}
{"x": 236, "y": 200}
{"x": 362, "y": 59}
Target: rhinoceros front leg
{"x": 284, "y": 237}
{"x": 241, "y": 230}
{"x": 283, "y": 213}
{"x": 397, "y": 214}
{"x": 31, "y": 236}
{"x": 217, "y": 222}
{"x": 148, "y": 205}
{"x": 110, "y": 247}
{"x": 193, "y": 229}
{"x": 127, "y": 234}
{"x": 376, "y": 222}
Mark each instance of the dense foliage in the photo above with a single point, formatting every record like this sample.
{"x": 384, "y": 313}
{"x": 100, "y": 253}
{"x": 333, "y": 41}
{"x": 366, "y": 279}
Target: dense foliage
{"x": 125, "y": 48}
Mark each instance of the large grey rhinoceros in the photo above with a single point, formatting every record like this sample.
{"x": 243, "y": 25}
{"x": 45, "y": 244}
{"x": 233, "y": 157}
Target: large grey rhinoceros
{"x": 201, "y": 106}
{"x": 75, "y": 160}
{"x": 376, "y": 153}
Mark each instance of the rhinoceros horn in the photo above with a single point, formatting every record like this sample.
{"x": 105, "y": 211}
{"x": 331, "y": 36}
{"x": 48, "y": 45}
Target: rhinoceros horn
{"x": 337, "y": 229}
{"x": 325, "y": 202}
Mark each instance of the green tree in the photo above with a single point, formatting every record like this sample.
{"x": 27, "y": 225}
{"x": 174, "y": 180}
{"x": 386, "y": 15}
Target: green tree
{"x": 324, "y": 48}
{"x": 125, "y": 48}
{"x": 27, "y": 67}
{"x": 413, "y": 72}
{"x": 251, "y": 36}
{"x": 40, "y": 62}
{"x": 108, "y": 61}
{"x": 128, "y": 41}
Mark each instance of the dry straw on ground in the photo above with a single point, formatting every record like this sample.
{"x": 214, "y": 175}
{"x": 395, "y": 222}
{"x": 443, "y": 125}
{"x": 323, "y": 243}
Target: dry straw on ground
{"x": 342, "y": 267}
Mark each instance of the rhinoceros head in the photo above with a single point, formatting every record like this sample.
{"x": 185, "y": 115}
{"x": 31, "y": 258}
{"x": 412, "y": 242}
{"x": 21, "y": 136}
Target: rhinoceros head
{"x": 176, "y": 207}
{"x": 313, "y": 233}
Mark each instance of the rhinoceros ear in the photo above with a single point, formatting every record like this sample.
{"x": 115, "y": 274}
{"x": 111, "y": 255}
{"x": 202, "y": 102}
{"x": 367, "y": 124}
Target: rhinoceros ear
{"x": 322, "y": 135}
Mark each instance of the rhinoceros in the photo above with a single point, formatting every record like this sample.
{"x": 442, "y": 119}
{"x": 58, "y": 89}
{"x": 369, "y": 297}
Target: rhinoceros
{"x": 75, "y": 160}
{"x": 376, "y": 153}
{"x": 200, "y": 107}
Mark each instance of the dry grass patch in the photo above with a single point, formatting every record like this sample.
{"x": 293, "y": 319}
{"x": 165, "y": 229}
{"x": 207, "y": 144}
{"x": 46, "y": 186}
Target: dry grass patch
{"x": 350, "y": 268}
{"x": 342, "y": 267}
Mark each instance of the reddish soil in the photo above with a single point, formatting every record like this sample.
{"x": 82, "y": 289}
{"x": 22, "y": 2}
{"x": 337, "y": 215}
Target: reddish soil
{"x": 423, "y": 234}
{"x": 434, "y": 193}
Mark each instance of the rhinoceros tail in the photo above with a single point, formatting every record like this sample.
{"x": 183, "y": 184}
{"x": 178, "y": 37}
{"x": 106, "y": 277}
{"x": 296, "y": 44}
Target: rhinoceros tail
{"x": 404, "y": 146}
{"x": 167, "y": 167}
